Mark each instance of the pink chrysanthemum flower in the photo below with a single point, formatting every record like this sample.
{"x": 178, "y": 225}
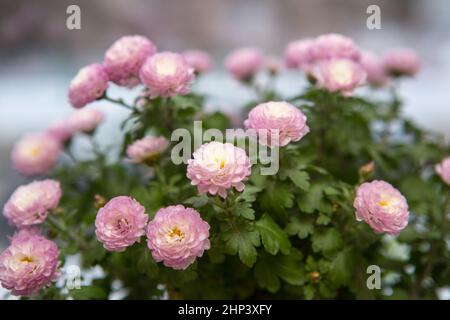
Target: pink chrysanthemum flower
{"x": 61, "y": 131}
{"x": 199, "y": 60}
{"x": 85, "y": 120}
{"x": 381, "y": 206}
{"x": 217, "y": 167}
{"x": 374, "y": 67}
{"x": 443, "y": 169}
{"x": 29, "y": 204}
{"x": 244, "y": 63}
{"x": 167, "y": 74}
{"x": 402, "y": 62}
{"x": 277, "y": 123}
{"x": 339, "y": 75}
{"x": 29, "y": 263}
{"x": 298, "y": 54}
{"x": 120, "y": 223}
{"x": 35, "y": 154}
{"x": 125, "y": 57}
{"x": 334, "y": 46}
{"x": 147, "y": 149}
{"x": 89, "y": 84}
{"x": 177, "y": 236}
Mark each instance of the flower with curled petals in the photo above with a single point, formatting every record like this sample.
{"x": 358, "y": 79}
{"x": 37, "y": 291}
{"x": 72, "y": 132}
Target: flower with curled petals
{"x": 120, "y": 223}
{"x": 177, "y": 236}
{"x": 199, "y": 60}
{"x": 339, "y": 75}
{"x": 85, "y": 120}
{"x": 147, "y": 149}
{"x": 125, "y": 57}
{"x": 89, "y": 84}
{"x": 374, "y": 67}
{"x": 402, "y": 62}
{"x": 29, "y": 264}
{"x": 297, "y": 54}
{"x": 277, "y": 123}
{"x": 217, "y": 167}
{"x": 334, "y": 46}
{"x": 35, "y": 154}
{"x": 29, "y": 204}
{"x": 166, "y": 74}
{"x": 244, "y": 63}
{"x": 382, "y": 207}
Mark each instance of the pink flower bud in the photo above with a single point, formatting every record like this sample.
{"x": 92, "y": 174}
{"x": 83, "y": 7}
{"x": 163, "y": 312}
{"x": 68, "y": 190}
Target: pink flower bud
{"x": 402, "y": 62}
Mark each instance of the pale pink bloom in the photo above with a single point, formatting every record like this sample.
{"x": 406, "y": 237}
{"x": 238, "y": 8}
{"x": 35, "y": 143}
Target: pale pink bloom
{"x": 29, "y": 204}
{"x": 273, "y": 64}
{"x": 334, "y": 46}
{"x": 147, "y": 148}
{"x": 167, "y": 74}
{"x": 29, "y": 264}
{"x": 298, "y": 54}
{"x": 177, "y": 236}
{"x": 381, "y": 206}
{"x": 374, "y": 67}
{"x": 89, "y": 84}
{"x": 277, "y": 123}
{"x": 199, "y": 60}
{"x": 217, "y": 167}
{"x": 244, "y": 63}
{"x": 339, "y": 75}
{"x": 35, "y": 154}
{"x": 85, "y": 120}
{"x": 402, "y": 62}
{"x": 125, "y": 57}
{"x": 120, "y": 223}
{"x": 443, "y": 169}
{"x": 61, "y": 131}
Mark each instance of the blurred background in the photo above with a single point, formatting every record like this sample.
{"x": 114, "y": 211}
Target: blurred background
{"x": 39, "y": 55}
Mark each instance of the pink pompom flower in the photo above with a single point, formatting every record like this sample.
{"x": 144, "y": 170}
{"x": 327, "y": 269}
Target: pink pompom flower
{"x": 85, "y": 120}
{"x": 381, "y": 206}
{"x": 177, "y": 236}
{"x": 443, "y": 170}
{"x": 298, "y": 54}
{"x": 167, "y": 74}
{"x": 334, "y": 46}
{"x": 339, "y": 75}
{"x": 277, "y": 123}
{"x": 402, "y": 62}
{"x": 89, "y": 84}
{"x": 61, "y": 131}
{"x": 244, "y": 63}
{"x": 217, "y": 167}
{"x": 29, "y": 204}
{"x": 120, "y": 223}
{"x": 199, "y": 60}
{"x": 125, "y": 57}
{"x": 147, "y": 149}
{"x": 35, "y": 154}
{"x": 29, "y": 264}
{"x": 374, "y": 67}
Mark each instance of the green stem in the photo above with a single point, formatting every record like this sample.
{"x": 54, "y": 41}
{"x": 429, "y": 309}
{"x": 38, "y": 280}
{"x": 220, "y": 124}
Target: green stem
{"x": 119, "y": 102}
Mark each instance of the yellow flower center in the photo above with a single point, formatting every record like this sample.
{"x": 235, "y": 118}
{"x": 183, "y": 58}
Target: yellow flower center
{"x": 166, "y": 67}
{"x": 176, "y": 233}
{"x": 26, "y": 259}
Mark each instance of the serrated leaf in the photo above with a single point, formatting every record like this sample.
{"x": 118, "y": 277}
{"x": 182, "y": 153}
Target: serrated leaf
{"x": 310, "y": 201}
{"x": 197, "y": 201}
{"x": 300, "y": 179}
{"x": 249, "y": 194}
{"x": 244, "y": 210}
{"x": 323, "y": 219}
{"x": 241, "y": 238}
{"x": 272, "y": 236}
{"x": 266, "y": 277}
{"x": 302, "y": 227}
{"x": 341, "y": 268}
{"x": 326, "y": 240}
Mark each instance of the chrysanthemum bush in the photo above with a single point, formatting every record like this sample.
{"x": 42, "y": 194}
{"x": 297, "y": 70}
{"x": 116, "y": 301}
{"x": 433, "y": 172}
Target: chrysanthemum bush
{"x": 357, "y": 184}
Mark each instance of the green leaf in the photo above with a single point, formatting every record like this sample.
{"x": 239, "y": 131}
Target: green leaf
{"x": 323, "y": 219}
{"x": 273, "y": 237}
{"x": 310, "y": 201}
{"x": 341, "y": 268}
{"x": 266, "y": 277}
{"x": 241, "y": 238}
{"x": 276, "y": 198}
{"x": 88, "y": 293}
{"x": 244, "y": 210}
{"x": 300, "y": 226}
{"x": 326, "y": 240}
{"x": 197, "y": 201}
{"x": 249, "y": 194}
{"x": 300, "y": 179}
